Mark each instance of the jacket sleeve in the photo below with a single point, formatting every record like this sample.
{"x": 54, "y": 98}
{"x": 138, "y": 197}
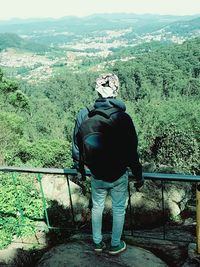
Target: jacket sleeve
{"x": 75, "y": 149}
{"x": 131, "y": 143}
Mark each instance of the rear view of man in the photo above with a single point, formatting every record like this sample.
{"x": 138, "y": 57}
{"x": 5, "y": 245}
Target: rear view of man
{"x": 105, "y": 141}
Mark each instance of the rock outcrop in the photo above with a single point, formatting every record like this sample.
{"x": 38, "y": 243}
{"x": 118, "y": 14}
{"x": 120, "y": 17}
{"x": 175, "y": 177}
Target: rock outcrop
{"x": 82, "y": 254}
{"x": 147, "y": 203}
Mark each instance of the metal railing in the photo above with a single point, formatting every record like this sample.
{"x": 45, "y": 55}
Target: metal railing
{"x": 72, "y": 172}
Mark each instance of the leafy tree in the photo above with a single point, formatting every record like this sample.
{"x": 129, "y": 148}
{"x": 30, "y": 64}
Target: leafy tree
{"x": 168, "y": 132}
{"x": 42, "y": 153}
{"x": 11, "y": 130}
{"x": 19, "y": 100}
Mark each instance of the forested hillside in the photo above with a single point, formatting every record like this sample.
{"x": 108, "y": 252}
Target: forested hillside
{"x": 161, "y": 90}
{"x": 11, "y": 40}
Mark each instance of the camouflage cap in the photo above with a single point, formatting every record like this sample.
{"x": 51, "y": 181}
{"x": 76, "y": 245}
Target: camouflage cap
{"x": 107, "y": 85}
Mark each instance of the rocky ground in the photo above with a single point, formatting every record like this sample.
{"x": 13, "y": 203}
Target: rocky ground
{"x": 77, "y": 250}
{"x": 170, "y": 244}
{"x": 81, "y": 253}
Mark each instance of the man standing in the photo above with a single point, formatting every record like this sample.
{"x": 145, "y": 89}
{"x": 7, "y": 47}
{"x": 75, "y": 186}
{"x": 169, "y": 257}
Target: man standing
{"x": 105, "y": 141}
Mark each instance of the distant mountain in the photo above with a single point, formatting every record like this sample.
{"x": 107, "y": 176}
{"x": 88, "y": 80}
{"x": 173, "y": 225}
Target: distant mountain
{"x": 23, "y": 21}
{"x": 185, "y": 28}
{"x": 71, "y": 30}
{"x": 98, "y": 22}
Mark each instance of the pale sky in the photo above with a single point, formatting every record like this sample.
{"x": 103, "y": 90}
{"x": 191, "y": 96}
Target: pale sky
{"x": 59, "y": 8}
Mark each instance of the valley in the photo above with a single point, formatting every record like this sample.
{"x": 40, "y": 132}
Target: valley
{"x": 37, "y": 50}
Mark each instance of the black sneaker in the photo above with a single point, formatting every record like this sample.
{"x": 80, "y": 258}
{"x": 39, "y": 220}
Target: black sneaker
{"x": 99, "y": 247}
{"x": 117, "y": 249}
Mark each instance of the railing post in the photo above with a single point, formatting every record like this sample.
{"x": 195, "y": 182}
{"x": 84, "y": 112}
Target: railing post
{"x": 18, "y": 202}
{"x": 70, "y": 200}
{"x": 130, "y": 208}
{"x": 198, "y": 216}
{"x": 163, "y": 209}
{"x": 43, "y": 200}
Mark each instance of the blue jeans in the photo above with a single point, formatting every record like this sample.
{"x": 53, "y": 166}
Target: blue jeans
{"x": 118, "y": 191}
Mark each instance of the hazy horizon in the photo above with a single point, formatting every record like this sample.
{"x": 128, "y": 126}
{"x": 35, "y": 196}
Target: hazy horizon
{"x": 36, "y": 9}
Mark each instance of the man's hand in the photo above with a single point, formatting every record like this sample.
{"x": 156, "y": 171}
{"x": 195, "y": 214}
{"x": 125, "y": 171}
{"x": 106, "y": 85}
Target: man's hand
{"x": 80, "y": 171}
{"x": 138, "y": 185}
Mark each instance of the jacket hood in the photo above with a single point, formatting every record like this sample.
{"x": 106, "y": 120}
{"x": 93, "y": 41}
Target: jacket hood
{"x": 109, "y": 102}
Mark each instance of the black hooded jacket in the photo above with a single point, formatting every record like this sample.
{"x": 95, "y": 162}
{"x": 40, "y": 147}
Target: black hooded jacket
{"x": 125, "y": 137}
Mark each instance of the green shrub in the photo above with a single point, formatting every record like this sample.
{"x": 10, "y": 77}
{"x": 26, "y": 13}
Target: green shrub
{"x": 42, "y": 153}
{"x": 168, "y": 132}
{"x": 176, "y": 148}
{"x": 18, "y": 195}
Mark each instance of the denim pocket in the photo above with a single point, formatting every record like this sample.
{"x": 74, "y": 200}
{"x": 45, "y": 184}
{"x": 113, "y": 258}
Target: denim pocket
{"x": 121, "y": 184}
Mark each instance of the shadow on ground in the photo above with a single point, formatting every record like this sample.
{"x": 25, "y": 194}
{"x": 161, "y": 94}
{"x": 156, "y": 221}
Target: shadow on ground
{"x": 63, "y": 230}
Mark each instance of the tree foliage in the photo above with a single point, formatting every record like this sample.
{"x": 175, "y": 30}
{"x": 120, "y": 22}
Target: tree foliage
{"x": 160, "y": 89}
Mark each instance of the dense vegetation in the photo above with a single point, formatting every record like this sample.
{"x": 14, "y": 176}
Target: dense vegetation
{"x": 161, "y": 90}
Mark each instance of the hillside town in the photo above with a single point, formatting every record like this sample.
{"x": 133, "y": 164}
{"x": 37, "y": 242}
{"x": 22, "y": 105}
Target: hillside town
{"x": 34, "y": 67}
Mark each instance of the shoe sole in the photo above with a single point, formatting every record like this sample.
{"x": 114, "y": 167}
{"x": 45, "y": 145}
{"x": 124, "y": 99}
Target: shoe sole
{"x": 100, "y": 249}
{"x": 118, "y": 251}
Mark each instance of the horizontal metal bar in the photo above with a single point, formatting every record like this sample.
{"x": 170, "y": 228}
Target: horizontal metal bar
{"x": 38, "y": 170}
{"x": 146, "y": 175}
{"x": 172, "y": 177}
